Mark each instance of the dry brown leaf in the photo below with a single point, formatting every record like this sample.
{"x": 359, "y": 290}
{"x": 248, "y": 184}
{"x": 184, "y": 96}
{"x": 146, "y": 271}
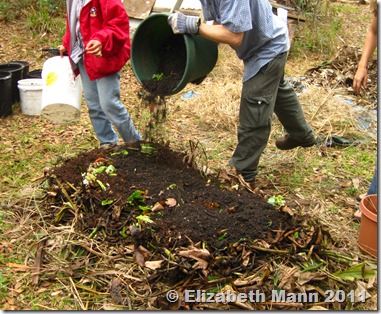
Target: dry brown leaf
{"x": 18, "y": 267}
{"x": 115, "y": 291}
{"x": 317, "y": 308}
{"x": 356, "y": 183}
{"x": 200, "y": 255}
{"x": 287, "y": 210}
{"x": 303, "y": 278}
{"x": 171, "y": 202}
{"x": 153, "y": 264}
{"x": 196, "y": 253}
{"x": 157, "y": 207}
{"x": 139, "y": 258}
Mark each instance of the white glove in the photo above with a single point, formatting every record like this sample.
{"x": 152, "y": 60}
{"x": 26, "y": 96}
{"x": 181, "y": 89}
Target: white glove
{"x": 184, "y": 24}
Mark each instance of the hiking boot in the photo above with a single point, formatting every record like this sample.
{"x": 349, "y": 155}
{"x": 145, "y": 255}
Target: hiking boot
{"x": 286, "y": 143}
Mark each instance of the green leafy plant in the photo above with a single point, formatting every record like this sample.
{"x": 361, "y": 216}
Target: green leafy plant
{"x": 123, "y": 232}
{"x": 107, "y": 202}
{"x": 136, "y": 198}
{"x": 158, "y": 76}
{"x": 145, "y": 208}
{"x": 223, "y": 236}
{"x": 123, "y": 152}
{"x": 277, "y": 201}
{"x": 172, "y": 186}
{"x": 147, "y": 148}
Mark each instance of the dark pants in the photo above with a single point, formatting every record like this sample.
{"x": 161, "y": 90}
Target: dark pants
{"x": 267, "y": 92}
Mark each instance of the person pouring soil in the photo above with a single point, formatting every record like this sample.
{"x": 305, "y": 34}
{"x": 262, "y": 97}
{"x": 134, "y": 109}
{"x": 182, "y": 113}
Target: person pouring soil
{"x": 260, "y": 39}
{"x": 97, "y": 40}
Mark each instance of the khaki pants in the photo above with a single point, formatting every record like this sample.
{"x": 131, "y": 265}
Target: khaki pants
{"x": 267, "y": 92}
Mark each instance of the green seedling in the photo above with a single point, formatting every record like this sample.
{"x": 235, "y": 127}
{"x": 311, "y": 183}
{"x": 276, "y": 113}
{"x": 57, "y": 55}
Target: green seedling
{"x": 123, "y": 232}
{"x": 135, "y": 198}
{"x": 124, "y": 153}
{"x": 172, "y": 186}
{"x": 100, "y": 169}
{"x": 107, "y": 202}
{"x": 277, "y": 201}
{"x": 102, "y": 186}
{"x": 220, "y": 238}
{"x": 145, "y": 208}
{"x": 147, "y": 149}
{"x": 170, "y": 256}
{"x": 143, "y": 219}
{"x": 158, "y": 76}
{"x": 110, "y": 170}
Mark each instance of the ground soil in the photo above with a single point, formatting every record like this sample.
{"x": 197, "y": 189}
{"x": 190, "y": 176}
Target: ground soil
{"x": 205, "y": 210}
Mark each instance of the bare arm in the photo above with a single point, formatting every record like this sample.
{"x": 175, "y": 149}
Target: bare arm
{"x": 370, "y": 45}
{"x": 220, "y": 34}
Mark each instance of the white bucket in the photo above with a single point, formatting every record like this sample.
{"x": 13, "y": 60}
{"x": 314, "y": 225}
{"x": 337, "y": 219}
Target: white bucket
{"x": 62, "y": 91}
{"x": 30, "y": 96}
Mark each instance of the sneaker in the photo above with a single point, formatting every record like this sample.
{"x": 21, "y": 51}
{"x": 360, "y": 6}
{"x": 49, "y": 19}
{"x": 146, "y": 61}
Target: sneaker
{"x": 108, "y": 145}
{"x": 286, "y": 143}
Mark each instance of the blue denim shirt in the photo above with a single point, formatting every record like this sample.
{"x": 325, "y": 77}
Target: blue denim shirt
{"x": 265, "y": 34}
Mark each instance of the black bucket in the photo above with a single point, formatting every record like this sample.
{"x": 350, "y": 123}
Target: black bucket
{"x": 25, "y": 68}
{"x": 16, "y": 70}
{"x": 5, "y": 94}
{"x": 35, "y": 74}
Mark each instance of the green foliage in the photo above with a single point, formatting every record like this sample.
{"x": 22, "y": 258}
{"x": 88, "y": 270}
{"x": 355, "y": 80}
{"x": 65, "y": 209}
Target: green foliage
{"x": 320, "y": 31}
{"x": 136, "y": 198}
{"x": 158, "y": 77}
{"x": 41, "y": 15}
{"x": 277, "y": 201}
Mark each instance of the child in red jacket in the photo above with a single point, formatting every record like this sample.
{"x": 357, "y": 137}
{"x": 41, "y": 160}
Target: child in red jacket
{"x": 97, "y": 40}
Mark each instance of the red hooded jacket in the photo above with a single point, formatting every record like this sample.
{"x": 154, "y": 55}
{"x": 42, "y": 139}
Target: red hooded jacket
{"x": 106, "y": 21}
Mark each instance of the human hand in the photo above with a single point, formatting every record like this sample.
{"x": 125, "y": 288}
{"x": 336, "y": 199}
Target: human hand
{"x": 183, "y": 24}
{"x": 94, "y": 47}
{"x": 360, "y": 79}
{"x": 62, "y": 50}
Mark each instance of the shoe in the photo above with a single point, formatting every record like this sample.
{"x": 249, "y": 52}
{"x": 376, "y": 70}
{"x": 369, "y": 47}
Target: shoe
{"x": 108, "y": 145}
{"x": 286, "y": 143}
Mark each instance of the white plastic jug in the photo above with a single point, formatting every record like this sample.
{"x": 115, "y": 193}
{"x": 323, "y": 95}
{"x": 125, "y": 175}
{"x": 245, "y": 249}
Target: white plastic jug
{"x": 62, "y": 91}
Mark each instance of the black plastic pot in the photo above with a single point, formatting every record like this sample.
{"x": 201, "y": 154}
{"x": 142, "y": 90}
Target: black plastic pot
{"x": 16, "y": 70}
{"x": 5, "y": 94}
{"x": 35, "y": 74}
{"x": 25, "y": 68}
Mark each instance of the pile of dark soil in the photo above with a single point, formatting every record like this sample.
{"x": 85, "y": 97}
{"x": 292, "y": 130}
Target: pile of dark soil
{"x": 188, "y": 208}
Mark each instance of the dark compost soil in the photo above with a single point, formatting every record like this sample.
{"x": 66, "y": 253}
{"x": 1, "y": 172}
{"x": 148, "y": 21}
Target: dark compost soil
{"x": 171, "y": 67}
{"x": 193, "y": 208}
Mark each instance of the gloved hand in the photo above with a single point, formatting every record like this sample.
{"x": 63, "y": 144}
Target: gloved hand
{"x": 183, "y": 24}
